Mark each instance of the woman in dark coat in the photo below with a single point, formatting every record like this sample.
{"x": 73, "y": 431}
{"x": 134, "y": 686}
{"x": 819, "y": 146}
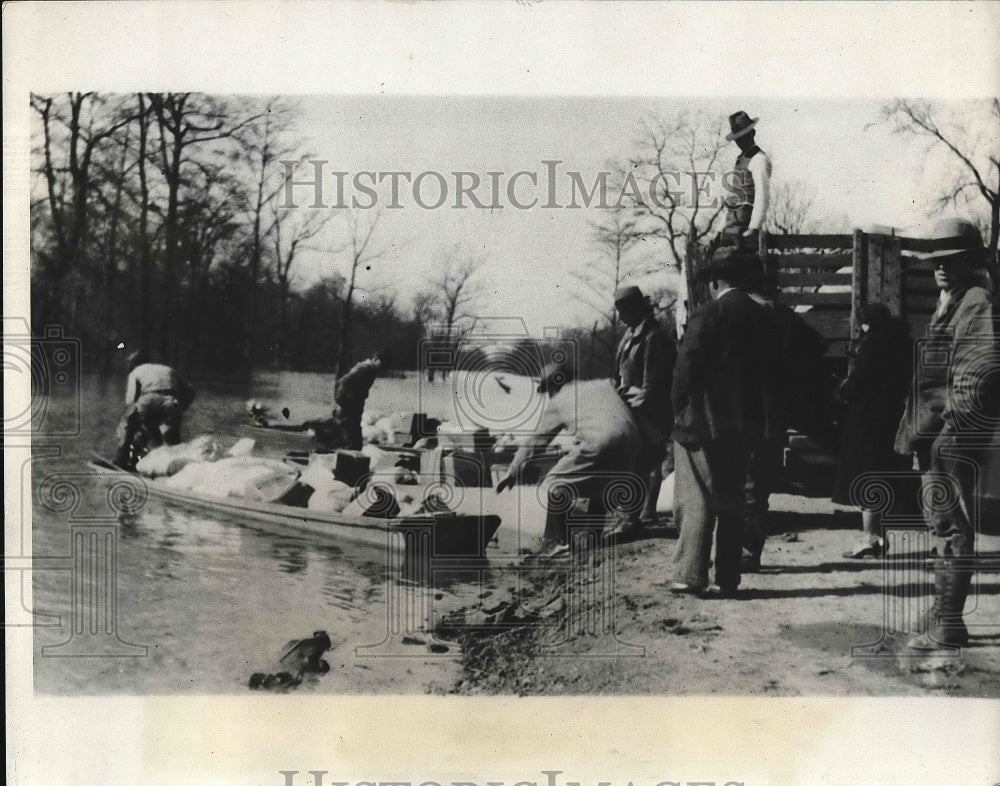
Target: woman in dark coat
{"x": 875, "y": 396}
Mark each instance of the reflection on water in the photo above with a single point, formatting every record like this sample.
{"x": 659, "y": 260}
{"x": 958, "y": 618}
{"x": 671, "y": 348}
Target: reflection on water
{"x": 212, "y": 599}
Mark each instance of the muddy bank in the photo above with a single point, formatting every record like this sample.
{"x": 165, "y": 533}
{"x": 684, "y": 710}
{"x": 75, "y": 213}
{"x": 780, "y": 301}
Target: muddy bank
{"x": 810, "y": 623}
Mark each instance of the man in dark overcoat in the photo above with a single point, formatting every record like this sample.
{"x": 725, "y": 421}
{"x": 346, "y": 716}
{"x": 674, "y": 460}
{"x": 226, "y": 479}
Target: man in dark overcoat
{"x": 726, "y": 396}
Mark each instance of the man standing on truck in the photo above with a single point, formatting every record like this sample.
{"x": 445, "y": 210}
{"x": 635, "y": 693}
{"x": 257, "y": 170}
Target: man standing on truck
{"x": 951, "y": 412}
{"x": 749, "y": 187}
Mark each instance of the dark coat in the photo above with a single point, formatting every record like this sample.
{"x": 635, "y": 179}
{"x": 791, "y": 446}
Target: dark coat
{"x": 728, "y": 375}
{"x": 645, "y": 360}
{"x": 875, "y": 394}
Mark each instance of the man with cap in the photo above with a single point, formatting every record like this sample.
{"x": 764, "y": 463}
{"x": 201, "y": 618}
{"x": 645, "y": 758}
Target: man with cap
{"x": 156, "y": 397}
{"x": 748, "y": 184}
{"x": 644, "y": 369}
{"x": 726, "y": 398}
{"x": 951, "y": 414}
{"x": 605, "y": 444}
{"x": 352, "y": 393}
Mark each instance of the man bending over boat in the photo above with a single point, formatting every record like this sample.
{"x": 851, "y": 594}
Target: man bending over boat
{"x": 156, "y": 397}
{"x": 606, "y": 442}
{"x": 352, "y": 392}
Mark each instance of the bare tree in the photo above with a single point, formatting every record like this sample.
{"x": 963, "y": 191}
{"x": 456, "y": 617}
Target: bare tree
{"x": 970, "y": 137}
{"x": 73, "y": 131}
{"x": 672, "y": 181}
{"x": 185, "y": 121}
{"x": 448, "y": 298}
{"x": 262, "y": 144}
{"x": 361, "y": 252}
{"x": 615, "y": 234}
{"x": 789, "y": 209}
{"x": 291, "y": 234}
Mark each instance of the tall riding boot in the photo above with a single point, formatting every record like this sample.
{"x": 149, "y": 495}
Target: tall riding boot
{"x": 945, "y": 628}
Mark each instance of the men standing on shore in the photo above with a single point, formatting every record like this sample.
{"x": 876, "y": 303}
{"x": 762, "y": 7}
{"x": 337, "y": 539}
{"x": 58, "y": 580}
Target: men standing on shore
{"x": 644, "y": 367}
{"x": 726, "y": 400}
{"x": 951, "y": 413}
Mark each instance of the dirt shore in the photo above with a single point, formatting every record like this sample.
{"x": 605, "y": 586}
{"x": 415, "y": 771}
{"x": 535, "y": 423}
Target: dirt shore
{"x": 810, "y": 623}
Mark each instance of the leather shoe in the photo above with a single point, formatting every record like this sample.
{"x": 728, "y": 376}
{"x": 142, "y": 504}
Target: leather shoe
{"x": 680, "y": 588}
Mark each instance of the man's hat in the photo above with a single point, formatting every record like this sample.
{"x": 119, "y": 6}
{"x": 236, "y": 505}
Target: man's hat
{"x": 630, "y": 292}
{"x": 730, "y": 264}
{"x": 740, "y": 124}
{"x": 963, "y": 239}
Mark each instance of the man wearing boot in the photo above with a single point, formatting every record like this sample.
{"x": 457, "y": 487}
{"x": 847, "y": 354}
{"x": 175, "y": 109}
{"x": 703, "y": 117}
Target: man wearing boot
{"x": 952, "y": 402}
{"x": 644, "y": 371}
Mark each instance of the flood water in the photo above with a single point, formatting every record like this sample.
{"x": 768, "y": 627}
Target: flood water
{"x": 211, "y": 600}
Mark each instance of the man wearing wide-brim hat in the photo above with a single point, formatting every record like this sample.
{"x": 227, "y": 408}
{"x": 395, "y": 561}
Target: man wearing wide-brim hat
{"x": 951, "y": 414}
{"x": 748, "y": 186}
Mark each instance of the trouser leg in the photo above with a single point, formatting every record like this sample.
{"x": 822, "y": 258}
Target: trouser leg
{"x": 351, "y": 425}
{"x": 695, "y": 515}
{"x": 949, "y": 494}
{"x": 763, "y": 472}
{"x": 729, "y": 464}
{"x": 653, "y": 478}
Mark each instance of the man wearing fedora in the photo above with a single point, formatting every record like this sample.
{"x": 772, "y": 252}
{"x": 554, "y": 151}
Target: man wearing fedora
{"x": 952, "y": 408}
{"x": 727, "y": 403}
{"x": 749, "y": 186}
{"x": 644, "y": 369}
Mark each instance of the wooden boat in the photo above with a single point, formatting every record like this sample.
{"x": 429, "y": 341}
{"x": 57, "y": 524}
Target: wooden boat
{"x": 439, "y": 537}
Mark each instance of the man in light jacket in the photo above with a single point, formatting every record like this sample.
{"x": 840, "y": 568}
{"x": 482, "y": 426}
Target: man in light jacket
{"x": 599, "y": 464}
{"x": 951, "y": 414}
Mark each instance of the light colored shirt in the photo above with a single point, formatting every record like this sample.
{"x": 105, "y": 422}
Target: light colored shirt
{"x": 151, "y": 378}
{"x": 604, "y": 434}
{"x": 760, "y": 168}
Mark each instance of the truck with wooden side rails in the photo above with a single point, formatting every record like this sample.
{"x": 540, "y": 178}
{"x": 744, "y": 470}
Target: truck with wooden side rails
{"x": 826, "y": 279}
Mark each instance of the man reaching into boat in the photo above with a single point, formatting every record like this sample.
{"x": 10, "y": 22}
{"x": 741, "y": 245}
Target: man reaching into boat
{"x": 156, "y": 397}
{"x": 351, "y": 394}
{"x": 606, "y": 442}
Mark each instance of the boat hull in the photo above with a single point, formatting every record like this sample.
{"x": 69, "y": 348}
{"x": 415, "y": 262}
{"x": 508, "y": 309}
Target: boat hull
{"x": 444, "y": 537}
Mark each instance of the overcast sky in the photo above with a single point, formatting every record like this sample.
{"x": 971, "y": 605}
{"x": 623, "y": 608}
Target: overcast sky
{"x": 855, "y": 170}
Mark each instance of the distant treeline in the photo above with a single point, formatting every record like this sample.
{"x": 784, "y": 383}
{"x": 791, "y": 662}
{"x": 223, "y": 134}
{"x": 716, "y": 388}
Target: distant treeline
{"x": 155, "y": 223}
